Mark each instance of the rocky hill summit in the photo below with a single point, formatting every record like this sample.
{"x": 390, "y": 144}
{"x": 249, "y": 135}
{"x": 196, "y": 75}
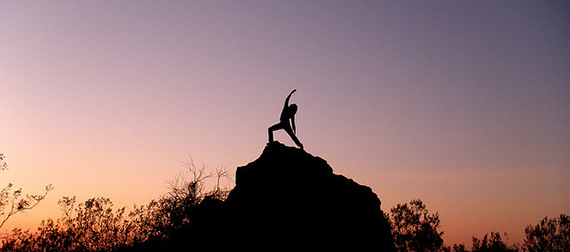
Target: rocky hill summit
{"x": 287, "y": 197}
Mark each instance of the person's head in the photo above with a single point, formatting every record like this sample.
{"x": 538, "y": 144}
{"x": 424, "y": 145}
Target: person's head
{"x": 293, "y": 108}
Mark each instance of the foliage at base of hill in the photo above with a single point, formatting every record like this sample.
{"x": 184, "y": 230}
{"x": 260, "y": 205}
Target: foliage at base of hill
{"x": 14, "y": 201}
{"x": 95, "y": 226}
{"x": 549, "y": 235}
{"x": 415, "y": 229}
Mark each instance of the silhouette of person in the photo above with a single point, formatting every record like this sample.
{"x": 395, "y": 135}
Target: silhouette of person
{"x": 288, "y": 112}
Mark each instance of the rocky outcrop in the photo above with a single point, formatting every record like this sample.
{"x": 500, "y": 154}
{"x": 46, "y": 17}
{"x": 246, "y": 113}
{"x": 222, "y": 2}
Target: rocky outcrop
{"x": 287, "y": 197}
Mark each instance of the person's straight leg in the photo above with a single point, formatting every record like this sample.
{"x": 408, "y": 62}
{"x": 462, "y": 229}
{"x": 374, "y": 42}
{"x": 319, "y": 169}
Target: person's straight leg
{"x": 289, "y": 131}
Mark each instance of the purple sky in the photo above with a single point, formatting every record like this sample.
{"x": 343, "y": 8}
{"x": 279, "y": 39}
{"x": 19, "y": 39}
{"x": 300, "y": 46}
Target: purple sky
{"x": 462, "y": 104}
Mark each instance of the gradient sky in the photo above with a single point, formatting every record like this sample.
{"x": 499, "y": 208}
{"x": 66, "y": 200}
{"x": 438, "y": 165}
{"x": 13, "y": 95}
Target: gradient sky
{"x": 465, "y": 105}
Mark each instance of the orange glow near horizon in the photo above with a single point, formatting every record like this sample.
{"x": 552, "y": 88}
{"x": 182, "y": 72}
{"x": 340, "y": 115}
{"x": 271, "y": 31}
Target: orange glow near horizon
{"x": 463, "y": 105}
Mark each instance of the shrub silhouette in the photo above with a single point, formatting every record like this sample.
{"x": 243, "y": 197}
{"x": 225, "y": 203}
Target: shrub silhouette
{"x": 94, "y": 226}
{"x": 414, "y": 229}
{"x": 492, "y": 242}
{"x": 549, "y": 235}
{"x": 15, "y": 201}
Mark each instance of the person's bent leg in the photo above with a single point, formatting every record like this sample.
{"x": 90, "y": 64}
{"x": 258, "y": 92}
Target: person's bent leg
{"x": 271, "y": 129}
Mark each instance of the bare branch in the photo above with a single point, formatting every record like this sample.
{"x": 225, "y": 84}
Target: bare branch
{"x": 17, "y": 202}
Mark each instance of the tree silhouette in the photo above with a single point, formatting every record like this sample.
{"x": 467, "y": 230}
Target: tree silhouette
{"x": 456, "y": 248}
{"x": 549, "y": 235}
{"x": 414, "y": 228}
{"x": 492, "y": 242}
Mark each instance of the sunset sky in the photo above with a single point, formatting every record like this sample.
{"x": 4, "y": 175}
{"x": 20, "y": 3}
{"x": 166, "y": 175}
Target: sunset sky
{"x": 465, "y": 105}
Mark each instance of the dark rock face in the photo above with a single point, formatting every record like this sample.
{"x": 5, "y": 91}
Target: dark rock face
{"x": 288, "y": 198}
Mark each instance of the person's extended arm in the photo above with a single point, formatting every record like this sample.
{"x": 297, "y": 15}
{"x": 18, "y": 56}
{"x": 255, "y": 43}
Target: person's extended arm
{"x": 288, "y": 97}
{"x": 293, "y": 124}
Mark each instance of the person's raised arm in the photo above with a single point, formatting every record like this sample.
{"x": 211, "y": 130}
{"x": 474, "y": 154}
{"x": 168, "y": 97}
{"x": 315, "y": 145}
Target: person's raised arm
{"x": 288, "y": 97}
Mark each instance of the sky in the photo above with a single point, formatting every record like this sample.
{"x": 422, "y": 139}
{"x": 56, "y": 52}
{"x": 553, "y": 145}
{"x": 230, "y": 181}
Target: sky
{"x": 464, "y": 105}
